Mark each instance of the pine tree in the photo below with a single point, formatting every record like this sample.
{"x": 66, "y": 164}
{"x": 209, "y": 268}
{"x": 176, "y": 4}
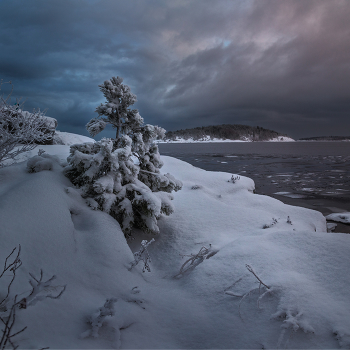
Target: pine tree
{"x": 134, "y": 192}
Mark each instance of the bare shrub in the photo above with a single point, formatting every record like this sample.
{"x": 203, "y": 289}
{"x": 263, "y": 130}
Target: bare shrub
{"x": 9, "y": 305}
{"x": 20, "y": 130}
{"x": 196, "y": 259}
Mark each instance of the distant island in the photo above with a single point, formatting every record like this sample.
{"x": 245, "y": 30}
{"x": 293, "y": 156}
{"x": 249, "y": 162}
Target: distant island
{"x": 225, "y": 133}
{"x": 326, "y": 138}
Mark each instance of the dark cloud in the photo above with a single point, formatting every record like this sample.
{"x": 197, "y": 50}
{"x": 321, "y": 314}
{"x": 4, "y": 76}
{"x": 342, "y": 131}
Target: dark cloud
{"x": 284, "y": 65}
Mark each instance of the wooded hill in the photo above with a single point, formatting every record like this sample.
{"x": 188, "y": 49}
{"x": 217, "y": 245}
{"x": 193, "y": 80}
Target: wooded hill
{"x": 225, "y": 131}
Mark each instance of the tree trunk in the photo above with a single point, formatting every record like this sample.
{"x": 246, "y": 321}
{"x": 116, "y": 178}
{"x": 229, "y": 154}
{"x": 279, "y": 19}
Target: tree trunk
{"x": 117, "y": 136}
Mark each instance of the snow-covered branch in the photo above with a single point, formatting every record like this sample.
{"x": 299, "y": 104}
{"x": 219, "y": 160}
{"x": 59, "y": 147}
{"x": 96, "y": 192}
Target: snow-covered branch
{"x": 261, "y": 296}
{"x": 20, "y": 130}
{"x": 96, "y": 321}
{"x": 196, "y": 259}
{"x": 143, "y": 255}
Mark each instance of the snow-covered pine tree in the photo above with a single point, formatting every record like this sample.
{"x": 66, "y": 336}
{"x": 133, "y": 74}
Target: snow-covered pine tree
{"x": 121, "y": 176}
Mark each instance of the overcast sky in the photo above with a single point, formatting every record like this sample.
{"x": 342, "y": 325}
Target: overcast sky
{"x": 279, "y": 64}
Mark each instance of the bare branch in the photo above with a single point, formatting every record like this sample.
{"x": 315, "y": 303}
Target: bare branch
{"x": 250, "y": 269}
{"x": 12, "y": 267}
{"x": 195, "y": 259}
{"x": 14, "y": 263}
{"x": 8, "y": 313}
{"x": 37, "y": 287}
{"x": 5, "y": 264}
{"x": 268, "y": 291}
{"x": 22, "y": 330}
{"x": 234, "y": 295}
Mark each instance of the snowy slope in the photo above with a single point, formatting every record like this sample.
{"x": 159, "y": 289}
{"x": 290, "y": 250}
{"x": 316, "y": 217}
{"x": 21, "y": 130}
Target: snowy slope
{"x": 68, "y": 138}
{"x": 302, "y": 264}
{"x": 305, "y": 268}
{"x": 87, "y": 251}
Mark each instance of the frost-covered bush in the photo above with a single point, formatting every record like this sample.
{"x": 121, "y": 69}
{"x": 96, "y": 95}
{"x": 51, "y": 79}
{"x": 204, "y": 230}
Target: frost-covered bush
{"x": 41, "y": 162}
{"x": 142, "y": 255}
{"x": 121, "y": 176}
{"x": 20, "y": 130}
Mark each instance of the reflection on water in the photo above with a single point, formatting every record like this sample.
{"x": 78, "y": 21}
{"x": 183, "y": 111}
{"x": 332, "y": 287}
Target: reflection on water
{"x": 315, "y": 175}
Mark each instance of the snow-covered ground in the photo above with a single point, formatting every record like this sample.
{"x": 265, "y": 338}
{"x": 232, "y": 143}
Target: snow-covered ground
{"x": 282, "y": 139}
{"x": 215, "y": 303}
{"x": 208, "y": 139}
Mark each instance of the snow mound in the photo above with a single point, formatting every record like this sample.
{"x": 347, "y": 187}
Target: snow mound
{"x": 41, "y": 162}
{"x": 67, "y": 138}
{"x": 339, "y": 217}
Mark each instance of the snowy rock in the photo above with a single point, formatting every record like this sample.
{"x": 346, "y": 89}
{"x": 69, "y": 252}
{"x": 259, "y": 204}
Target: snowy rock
{"x": 339, "y": 217}
{"x": 331, "y": 226}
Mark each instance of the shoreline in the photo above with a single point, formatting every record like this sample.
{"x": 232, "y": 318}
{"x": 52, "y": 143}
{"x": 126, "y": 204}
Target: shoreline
{"x": 245, "y": 141}
{"x": 319, "y": 203}
{"x": 186, "y": 141}
{"x": 313, "y": 175}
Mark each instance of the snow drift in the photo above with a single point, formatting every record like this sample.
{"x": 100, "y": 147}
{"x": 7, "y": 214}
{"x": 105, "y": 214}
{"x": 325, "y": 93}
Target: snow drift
{"x": 216, "y": 302}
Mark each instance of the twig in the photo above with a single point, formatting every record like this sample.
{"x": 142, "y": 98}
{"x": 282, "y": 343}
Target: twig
{"x": 143, "y": 255}
{"x": 250, "y": 269}
{"x": 16, "y": 261}
{"x": 239, "y": 305}
{"x": 6, "y": 336}
{"x": 37, "y": 288}
{"x": 195, "y": 259}
{"x": 149, "y": 172}
{"x": 269, "y": 290}
{"x": 9, "y": 319}
{"x": 13, "y": 267}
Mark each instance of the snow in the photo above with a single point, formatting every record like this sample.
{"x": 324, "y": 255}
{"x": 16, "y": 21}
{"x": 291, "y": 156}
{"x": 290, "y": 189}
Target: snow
{"x": 289, "y": 194}
{"x": 207, "y": 139}
{"x": 306, "y": 303}
{"x": 282, "y": 139}
{"x": 50, "y": 122}
{"x": 67, "y": 138}
{"x": 339, "y": 217}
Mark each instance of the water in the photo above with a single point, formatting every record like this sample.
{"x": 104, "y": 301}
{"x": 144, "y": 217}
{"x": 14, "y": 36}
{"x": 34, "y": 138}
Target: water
{"x": 314, "y": 175}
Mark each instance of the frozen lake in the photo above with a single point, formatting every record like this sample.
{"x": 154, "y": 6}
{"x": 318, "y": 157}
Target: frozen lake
{"x": 314, "y": 175}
